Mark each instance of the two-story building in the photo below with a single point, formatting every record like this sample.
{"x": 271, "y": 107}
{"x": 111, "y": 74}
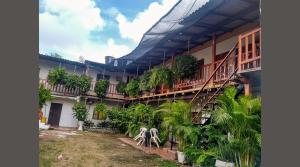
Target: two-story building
{"x": 223, "y": 35}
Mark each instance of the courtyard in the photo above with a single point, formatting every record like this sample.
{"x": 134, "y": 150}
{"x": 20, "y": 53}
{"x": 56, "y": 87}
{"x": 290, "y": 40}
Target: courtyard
{"x": 60, "y": 148}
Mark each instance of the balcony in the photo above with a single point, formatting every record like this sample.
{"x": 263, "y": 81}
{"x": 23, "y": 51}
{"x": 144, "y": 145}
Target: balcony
{"x": 62, "y": 90}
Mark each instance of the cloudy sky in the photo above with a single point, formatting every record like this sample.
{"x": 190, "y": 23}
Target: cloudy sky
{"x": 96, "y": 28}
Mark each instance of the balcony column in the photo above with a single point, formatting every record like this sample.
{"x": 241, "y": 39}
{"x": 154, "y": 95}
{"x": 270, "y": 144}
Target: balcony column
{"x": 213, "y": 46}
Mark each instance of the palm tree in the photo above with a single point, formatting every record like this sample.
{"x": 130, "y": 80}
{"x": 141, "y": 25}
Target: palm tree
{"x": 177, "y": 118}
{"x": 241, "y": 118}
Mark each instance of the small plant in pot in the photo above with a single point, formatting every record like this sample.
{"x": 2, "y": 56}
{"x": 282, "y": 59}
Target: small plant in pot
{"x": 80, "y": 113}
{"x": 177, "y": 120}
{"x": 101, "y": 109}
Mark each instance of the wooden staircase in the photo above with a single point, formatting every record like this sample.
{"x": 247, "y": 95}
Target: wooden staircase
{"x": 205, "y": 99}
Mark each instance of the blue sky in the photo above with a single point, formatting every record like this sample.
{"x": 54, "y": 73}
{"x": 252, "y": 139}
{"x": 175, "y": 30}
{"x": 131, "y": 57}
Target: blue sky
{"x": 96, "y": 28}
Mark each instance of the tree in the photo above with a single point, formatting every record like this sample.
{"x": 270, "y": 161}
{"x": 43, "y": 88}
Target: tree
{"x": 81, "y": 59}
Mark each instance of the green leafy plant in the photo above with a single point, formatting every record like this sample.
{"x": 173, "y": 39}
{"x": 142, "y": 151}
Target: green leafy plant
{"x": 101, "y": 109}
{"x": 84, "y": 83}
{"x": 161, "y": 76}
{"x": 57, "y": 76}
{"x": 185, "y": 67}
{"x": 241, "y": 119}
{"x": 177, "y": 120}
{"x": 101, "y": 88}
{"x": 144, "y": 81}
{"x": 192, "y": 153}
{"x": 121, "y": 87}
{"x": 44, "y": 95}
{"x": 119, "y": 119}
{"x": 132, "y": 88}
{"x": 72, "y": 81}
{"x": 79, "y": 111}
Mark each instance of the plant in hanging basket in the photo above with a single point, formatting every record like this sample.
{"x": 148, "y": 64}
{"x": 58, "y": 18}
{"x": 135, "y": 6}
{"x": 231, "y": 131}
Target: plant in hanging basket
{"x": 57, "y": 76}
{"x": 121, "y": 87}
{"x": 185, "y": 67}
{"x": 132, "y": 88}
{"x": 101, "y": 87}
{"x": 144, "y": 81}
{"x": 161, "y": 76}
{"x": 101, "y": 110}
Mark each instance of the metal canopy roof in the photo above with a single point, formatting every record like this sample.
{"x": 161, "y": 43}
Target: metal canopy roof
{"x": 188, "y": 23}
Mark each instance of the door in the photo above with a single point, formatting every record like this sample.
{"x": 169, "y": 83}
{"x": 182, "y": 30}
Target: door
{"x": 200, "y": 71}
{"x": 54, "y": 115}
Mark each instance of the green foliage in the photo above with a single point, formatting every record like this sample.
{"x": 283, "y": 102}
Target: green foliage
{"x": 79, "y": 111}
{"x": 119, "y": 119}
{"x": 101, "y": 109}
{"x": 177, "y": 120}
{"x": 144, "y": 81}
{"x": 101, "y": 87}
{"x": 44, "y": 95}
{"x": 185, "y": 67}
{"x": 132, "y": 88}
{"x": 161, "y": 76}
{"x": 84, "y": 83}
{"x": 241, "y": 118}
{"x": 191, "y": 154}
{"x": 57, "y": 76}
{"x": 121, "y": 87}
{"x": 72, "y": 81}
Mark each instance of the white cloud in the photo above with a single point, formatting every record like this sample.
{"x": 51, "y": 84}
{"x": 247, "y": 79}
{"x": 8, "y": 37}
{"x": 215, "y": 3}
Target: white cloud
{"x": 65, "y": 27}
{"x": 144, "y": 20}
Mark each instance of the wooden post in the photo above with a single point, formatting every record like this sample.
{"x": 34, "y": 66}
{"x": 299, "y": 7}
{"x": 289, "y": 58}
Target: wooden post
{"x": 213, "y": 46}
{"x": 240, "y": 54}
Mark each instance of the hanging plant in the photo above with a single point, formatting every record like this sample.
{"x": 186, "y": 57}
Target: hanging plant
{"x": 185, "y": 67}
{"x": 44, "y": 95}
{"x": 79, "y": 111}
{"x": 144, "y": 81}
{"x": 121, "y": 87}
{"x": 101, "y": 87}
{"x": 72, "y": 81}
{"x": 161, "y": 76}
{"x": 84, "y": 83}
{"x": 101, "y": 110}
{"x": 57, "y": 76}
{"x": 132, "y": 88}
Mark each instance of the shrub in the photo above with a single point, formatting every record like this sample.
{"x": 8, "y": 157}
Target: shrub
{"x": 101, "y": 88}
{"x": 121, "y": 87}
{"x": 132, "y": 88}
{"x": 101, "y": 109}
{"x": 84, "y": 83}
{"x": 185, "y": 67}
{"x": 144, "y": 81}
{"x": 119, "y": 119}
{"x": 57, "y": 76}
{"x": 161, "y": 76}
{"x": 79, "y": 111}
{"x": 44, "y": 95}
{"x": 88, "y": 124}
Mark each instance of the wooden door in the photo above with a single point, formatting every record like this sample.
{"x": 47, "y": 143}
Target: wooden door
{"x": 54, "y": 115}
{"x": 201, "y": 72}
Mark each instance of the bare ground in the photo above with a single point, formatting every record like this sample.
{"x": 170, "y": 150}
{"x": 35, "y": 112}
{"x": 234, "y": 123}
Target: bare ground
{"x": 87, "y": 149}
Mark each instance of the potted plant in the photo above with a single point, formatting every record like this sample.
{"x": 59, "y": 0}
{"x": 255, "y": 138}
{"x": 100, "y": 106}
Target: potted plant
{"x": 72, "y": 81}
{"x": 80, "y": 113}
{"x": 84, "y": 83}
{"x": 121, "y": 87}
{"x": 57, "y": 76}
{"x": 101, "y": 87}
{"x": 44, "y": 96}
{"x": 132, "y": 88}
{"x": 161, "y": 76}
{"x": 178, "y": 121}
{"x": 144, "y": 82}
{"x": 101, "y": 109}
{"x": 185, "y": 67}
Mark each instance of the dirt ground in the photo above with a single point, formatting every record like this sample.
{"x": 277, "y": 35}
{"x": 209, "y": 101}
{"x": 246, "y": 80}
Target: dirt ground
{"x": 88, "y": 149}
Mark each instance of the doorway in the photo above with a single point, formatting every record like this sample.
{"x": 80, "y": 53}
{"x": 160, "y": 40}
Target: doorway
{"x": 54, "y": 115}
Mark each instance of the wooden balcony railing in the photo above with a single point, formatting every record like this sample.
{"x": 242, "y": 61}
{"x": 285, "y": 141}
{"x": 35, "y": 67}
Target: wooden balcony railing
{"x": 59, "y": 89}
{"x": 250, "y": 51}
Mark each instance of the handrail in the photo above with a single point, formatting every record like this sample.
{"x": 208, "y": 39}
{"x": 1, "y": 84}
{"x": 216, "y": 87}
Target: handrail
{"x": 214, "y": 72}
{"x": 217, "y": 91}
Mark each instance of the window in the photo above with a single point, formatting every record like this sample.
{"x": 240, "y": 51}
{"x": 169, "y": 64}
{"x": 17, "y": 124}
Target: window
{"x": 100, "y": 76}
